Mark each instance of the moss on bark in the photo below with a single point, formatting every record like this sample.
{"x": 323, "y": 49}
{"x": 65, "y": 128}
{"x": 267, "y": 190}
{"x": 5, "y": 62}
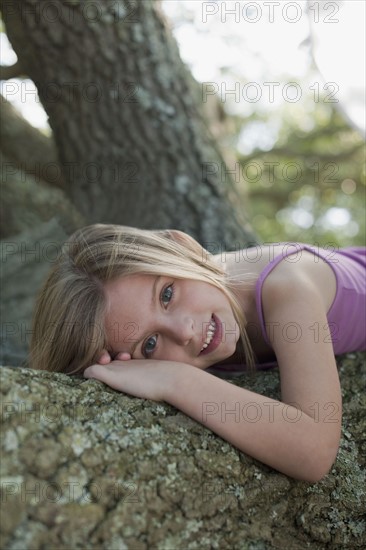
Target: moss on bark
{"x": 85, "y": 466}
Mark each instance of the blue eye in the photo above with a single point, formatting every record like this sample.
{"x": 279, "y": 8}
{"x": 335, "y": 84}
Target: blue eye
{"x": 167, "y": 294}
{"x": 150, "y": 345}
{"x": 165, "y": 297}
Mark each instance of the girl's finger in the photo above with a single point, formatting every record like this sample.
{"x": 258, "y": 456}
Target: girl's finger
{"x": 104, "y": 358}
{"x": 123, "y": 356}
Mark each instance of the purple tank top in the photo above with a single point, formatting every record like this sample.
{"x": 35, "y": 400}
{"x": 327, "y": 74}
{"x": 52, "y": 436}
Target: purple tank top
{"x": 347, "y": 314}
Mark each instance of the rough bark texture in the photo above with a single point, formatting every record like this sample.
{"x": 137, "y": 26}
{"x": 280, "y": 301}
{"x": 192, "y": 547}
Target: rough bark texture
{"x": 26, "y": 202}
{"x": 85, "y": 466}
{"x": 25, "y": 261}
{"x": 131, "y": 140}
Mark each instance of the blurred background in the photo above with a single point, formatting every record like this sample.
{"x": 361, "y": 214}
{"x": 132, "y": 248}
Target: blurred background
{"x": 289, "y": 82}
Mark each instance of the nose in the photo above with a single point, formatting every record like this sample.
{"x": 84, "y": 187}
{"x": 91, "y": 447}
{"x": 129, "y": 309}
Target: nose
{"x": 181, "y": 330}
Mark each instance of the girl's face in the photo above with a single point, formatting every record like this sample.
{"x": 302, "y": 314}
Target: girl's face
{"x": 164, "y": 318}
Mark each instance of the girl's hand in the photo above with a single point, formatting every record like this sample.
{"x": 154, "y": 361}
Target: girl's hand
{"x": 143, "y": 378}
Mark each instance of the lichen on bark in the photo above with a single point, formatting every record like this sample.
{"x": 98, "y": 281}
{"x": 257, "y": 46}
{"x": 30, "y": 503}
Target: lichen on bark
{"x": 85, "y": 466}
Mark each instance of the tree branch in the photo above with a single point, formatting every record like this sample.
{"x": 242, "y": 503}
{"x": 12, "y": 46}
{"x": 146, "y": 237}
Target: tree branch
{"x": 27, "y": 148}
{"x": 12, "y": 71}
{"x": 26, "y": 201}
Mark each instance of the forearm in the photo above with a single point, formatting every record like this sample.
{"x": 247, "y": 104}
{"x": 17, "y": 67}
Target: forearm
{"x": 273, "y": 432}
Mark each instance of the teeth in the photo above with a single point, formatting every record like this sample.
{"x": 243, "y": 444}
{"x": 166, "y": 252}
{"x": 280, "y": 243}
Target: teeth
{"x": 210, "y": 333}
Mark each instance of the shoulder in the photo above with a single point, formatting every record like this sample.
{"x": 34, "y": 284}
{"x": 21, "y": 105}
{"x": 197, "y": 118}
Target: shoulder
{"x": 258, "y": 260}
{"x": 274, "y": 268}
{"x": 298, "y": 277}
{"x": 288, "y": 274}
{"x": 286, "y": 288}
{"x": 293, "y": 306}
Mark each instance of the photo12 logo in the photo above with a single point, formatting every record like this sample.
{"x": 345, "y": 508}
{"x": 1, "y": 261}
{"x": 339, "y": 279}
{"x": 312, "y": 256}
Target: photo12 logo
{"x": 253, "y": 12}
{"x": 36, "y": 492}
{"x": 271, "y": 92}
{"x": 70, "y": 12}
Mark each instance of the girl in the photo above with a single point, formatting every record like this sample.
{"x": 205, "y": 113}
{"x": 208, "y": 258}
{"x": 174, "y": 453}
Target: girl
{"x": 153, "y": 314}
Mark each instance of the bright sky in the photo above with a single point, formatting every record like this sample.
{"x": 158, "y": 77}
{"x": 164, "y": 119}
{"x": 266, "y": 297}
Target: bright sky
{"x": 240, "y": 34}
{"x": 269, "y": 41}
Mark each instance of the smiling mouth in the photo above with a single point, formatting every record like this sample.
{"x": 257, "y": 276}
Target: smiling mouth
{"x": 213, "y": 336}
{"x": 210, "y": 334}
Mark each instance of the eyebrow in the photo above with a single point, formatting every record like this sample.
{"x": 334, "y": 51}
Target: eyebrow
{"x": 153, "y": 299}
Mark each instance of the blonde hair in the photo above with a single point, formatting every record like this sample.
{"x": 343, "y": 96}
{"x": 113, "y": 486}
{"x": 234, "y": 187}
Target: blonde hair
{"x": 68, "y": 324}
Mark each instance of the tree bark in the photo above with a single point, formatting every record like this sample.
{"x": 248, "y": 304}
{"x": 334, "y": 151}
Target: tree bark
{"x": 27, "y": 149}
{"x": 27, "y": 202}
{"x": 132, "y": 144}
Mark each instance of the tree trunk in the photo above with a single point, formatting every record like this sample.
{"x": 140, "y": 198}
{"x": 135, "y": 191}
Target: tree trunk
{"x": 132, "y": 144}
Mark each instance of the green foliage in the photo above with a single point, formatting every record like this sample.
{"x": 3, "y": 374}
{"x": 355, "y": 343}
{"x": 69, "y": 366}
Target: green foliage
{"x": 310, "y": 186}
